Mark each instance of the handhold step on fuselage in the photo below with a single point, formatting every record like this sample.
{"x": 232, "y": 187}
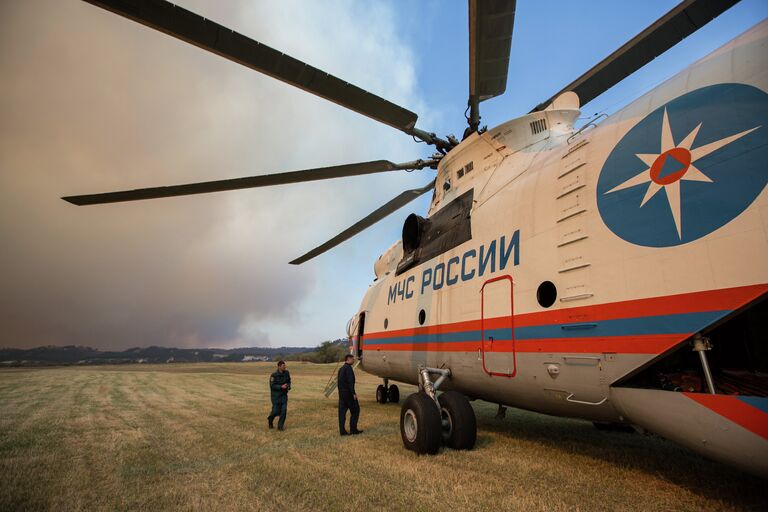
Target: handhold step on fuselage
{"x": 333, "y": 381}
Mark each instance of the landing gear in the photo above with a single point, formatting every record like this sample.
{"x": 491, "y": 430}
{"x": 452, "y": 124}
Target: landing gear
{"x": 381, "y": 394}
{"x": 426, "y": 421}
{"x": 393, "y": 394}
{"x": 387, "y": 393}
{"x": 420, "y": 424}
{"x": 459, "y": 427}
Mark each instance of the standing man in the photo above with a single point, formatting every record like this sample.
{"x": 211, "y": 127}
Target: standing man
{"x": 279, "y": 385}
{"x": 348, "y": 397}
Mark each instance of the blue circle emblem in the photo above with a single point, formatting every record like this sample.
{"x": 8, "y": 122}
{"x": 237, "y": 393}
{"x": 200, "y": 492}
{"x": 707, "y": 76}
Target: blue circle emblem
{"x": 688, "y": 168}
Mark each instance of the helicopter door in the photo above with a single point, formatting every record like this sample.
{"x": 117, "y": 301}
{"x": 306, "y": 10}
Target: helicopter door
{"x": 360, "y": 331}
{"x": 497, "y": 327}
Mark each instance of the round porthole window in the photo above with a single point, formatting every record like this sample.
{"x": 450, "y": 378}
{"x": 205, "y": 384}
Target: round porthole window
{"x": 546, "y": 294}
{"x": 386, "y": 323}
{"x": 422, "y": 317}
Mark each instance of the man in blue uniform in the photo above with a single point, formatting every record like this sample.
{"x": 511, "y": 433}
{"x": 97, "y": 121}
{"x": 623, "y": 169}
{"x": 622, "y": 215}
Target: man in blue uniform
{"x": 279, "y": 385}
{"x": 348, "y": 398}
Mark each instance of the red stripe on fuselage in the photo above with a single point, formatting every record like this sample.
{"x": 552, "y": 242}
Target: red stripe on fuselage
{"x": 751, "y": 418}
{"x": 639, "y": 344}
{"x": 650, "y": 344}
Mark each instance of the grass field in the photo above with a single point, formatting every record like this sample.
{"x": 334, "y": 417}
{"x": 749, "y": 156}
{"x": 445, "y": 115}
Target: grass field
{"x": 194, "y": 437}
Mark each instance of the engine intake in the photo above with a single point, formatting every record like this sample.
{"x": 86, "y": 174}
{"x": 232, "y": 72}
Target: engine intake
{"x": 414, "y": 229}
{"x": 423, "y": 239}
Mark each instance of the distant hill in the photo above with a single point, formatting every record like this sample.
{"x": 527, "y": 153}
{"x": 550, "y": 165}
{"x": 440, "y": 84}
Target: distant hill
{"x": 74, "y": 354}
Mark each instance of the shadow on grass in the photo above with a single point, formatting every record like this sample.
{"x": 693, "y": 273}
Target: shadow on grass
{"x": 646, "y": 453}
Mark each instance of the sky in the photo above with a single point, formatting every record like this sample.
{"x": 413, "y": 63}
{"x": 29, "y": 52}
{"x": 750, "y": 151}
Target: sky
{"x": 91, "y": 102}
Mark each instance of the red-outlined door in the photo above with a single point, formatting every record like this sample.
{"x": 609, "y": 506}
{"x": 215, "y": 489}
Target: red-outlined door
{"x": 497, "y": 327}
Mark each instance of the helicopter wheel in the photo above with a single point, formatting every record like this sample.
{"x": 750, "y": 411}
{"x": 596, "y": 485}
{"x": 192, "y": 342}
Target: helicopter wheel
{"x": 420, "y": 424}
{"x": 393, "y": 394}
{"x": 381, "y": 394}
{"x": 459, "y": 426}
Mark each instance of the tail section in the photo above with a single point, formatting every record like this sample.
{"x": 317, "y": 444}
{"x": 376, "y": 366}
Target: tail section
{"x": 711, "y": 398}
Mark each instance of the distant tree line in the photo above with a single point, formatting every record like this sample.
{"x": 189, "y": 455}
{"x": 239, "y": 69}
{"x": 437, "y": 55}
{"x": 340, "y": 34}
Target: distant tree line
{"x": 327, "y": 352}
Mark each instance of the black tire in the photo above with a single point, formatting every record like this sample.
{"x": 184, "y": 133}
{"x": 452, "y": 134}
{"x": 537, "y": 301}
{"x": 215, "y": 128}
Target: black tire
{"x": 459, "y": 430}
{"x": 420, "y": 424}
{"x": 381, "y": 394}
{"x": 393, "y": 394}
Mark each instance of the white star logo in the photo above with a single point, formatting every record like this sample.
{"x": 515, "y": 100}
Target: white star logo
{"x": 675, "y": 163}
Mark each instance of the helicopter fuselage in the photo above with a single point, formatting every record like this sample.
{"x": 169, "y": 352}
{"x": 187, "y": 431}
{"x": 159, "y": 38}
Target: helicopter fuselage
{"x": 594, "y": 258}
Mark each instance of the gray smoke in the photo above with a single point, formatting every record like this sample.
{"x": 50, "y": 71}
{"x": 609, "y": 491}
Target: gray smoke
{"x": 92, "y": 102}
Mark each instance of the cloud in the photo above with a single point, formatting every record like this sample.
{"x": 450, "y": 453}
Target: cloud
{"x": 92, "y": 102}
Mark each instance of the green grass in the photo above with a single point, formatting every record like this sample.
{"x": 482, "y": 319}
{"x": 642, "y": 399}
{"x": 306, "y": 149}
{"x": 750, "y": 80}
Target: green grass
{"x": 194, "y": 437}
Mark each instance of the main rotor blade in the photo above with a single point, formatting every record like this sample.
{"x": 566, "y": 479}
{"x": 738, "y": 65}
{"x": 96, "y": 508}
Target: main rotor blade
{"x": 208, "y": 35}
{"x": 490, "y": 41}
{"x": 265, "y": 180}
{"x": 391, "y": 207}
{"x": 663, "y": 34}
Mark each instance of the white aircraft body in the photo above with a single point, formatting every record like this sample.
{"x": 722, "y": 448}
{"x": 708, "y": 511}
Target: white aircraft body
{"x": 650, "y": 228}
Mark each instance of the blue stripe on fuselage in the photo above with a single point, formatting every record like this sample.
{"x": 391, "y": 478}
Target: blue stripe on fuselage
{"x": 662, "y": 324}
{"x": 755, "y": 401}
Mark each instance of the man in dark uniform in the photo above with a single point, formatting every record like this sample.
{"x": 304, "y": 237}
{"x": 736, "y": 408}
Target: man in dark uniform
{"x": 348, "y": 397}
{"x": 279, "y": 385}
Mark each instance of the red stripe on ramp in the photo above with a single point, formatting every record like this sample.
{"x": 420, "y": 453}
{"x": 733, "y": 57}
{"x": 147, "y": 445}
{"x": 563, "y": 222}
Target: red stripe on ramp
{"x": 741, "y": 413}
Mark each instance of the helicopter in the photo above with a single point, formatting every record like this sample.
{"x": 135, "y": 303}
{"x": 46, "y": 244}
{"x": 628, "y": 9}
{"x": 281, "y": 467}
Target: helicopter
{"x": 616, "y": 272}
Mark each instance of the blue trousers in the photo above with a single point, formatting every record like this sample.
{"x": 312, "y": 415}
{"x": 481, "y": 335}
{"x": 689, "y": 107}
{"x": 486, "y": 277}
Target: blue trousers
{"x": 347, "y": 403}
{"x": 279, "y": 408}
